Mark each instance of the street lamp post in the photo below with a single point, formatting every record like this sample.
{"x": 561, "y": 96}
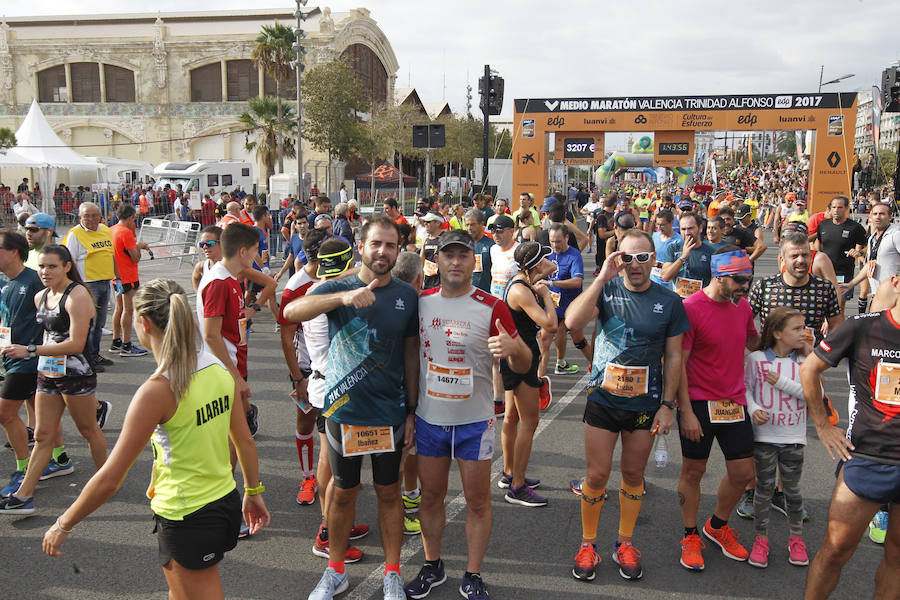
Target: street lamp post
{"x": 299, "y": 66}
{"x": 837, "y": 80}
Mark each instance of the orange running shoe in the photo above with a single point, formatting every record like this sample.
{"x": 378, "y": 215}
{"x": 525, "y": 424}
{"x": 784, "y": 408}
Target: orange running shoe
{"x": 586, "y": 561}
{"x": 321, "y": 547}
{"x": 626, "y": 556}
{"x": 308, "y": 490}
{"x": 544, "y": 392}
{"x": 691, "y": 555}
{"x": 726, "y": 539}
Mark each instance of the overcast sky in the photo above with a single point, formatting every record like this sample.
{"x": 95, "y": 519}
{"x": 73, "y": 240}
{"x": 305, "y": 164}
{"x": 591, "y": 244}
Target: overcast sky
{"x": 607, "y": 48}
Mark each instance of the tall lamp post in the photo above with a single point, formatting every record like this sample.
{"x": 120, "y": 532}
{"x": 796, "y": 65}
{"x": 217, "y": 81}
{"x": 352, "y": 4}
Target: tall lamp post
{"x": 299, "y": 66}
{"x": 837, "y": 80}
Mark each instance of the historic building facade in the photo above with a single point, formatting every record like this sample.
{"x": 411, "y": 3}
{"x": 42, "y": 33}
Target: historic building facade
{"x": 168, "y": 86}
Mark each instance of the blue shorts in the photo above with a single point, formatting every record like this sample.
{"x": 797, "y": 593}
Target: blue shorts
{"x": 473, "y": 441}
{"x": 645, "y": 219}
{"x": 872, "y": 481}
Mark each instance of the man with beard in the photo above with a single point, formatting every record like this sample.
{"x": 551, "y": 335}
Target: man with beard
{"x": 687, "y": 262}
{"x": 39, "y": 231}
{"x": 372, "y": 385}
{"x": 712, "y": 402}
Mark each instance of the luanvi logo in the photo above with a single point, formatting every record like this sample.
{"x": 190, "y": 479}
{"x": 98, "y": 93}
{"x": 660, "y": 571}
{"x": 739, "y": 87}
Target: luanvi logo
{"x": 834, "y": 159}
{"x": 551, "y": 105}
{"x": 640, "y": 119}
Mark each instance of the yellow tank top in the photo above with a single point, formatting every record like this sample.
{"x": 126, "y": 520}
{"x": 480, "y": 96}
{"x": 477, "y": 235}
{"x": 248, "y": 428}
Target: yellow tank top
{"x": 98, "y": 264}
{"x": 191, "y": 460}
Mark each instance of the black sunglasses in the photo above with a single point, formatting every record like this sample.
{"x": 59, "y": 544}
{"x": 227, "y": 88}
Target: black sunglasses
{"x": 641, "y": 257}
{"x": 741, "y": 279}
{"x": 208, "y": 244}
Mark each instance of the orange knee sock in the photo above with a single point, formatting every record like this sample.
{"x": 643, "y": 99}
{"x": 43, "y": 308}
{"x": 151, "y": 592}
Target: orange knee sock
{"x": 591, "y": 504}
{"x": 630, "y": 500}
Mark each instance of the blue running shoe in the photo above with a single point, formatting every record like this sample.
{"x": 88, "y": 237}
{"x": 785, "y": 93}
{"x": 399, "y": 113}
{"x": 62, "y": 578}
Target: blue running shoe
{"x": 429, "y": 577}
{"x": 331, "y": 584}
{"x": 54, "y": 469}
{"x": 878, "y": 527}
{"x": 472, "y": 588}
{"x": 14, "y": 483}
{"x": 15, "y": 506}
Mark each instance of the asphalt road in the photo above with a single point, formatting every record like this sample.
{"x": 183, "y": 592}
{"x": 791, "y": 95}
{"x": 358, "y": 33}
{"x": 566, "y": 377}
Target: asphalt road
{"x": 112, "y": 554}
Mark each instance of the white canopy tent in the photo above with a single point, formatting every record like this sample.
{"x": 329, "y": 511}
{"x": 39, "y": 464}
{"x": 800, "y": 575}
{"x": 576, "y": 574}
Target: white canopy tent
{"x": 38, "y": 147}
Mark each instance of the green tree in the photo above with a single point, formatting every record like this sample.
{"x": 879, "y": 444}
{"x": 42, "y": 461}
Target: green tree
{"x": 7, "y": 139}
{"x": 786, "y": 144}
{"x": 273, "y": 53}
{"x": 388, "y": 134}
{"x": 887, "y": 163}
{"x": 262, "y": 121}
{"x": 333, "y": 100}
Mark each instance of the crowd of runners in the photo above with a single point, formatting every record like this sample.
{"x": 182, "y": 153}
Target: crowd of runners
{"x": 407, "y": 338}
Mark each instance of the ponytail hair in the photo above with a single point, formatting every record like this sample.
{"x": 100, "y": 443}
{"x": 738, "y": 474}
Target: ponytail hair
{"x": 165, "y": 304}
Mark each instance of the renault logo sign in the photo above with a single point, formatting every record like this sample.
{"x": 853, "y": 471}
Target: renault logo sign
{"x": 834, "y": 159}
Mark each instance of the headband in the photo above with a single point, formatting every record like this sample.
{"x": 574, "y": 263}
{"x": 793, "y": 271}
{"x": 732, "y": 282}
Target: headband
{"x": 542, "y": 253}
{"x": 731, "y": 263}
{"x": 335, "y": 263}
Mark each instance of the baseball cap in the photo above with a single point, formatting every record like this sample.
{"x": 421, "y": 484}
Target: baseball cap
{"x": 501, "y": 222}
{"x": 742, "y": 211}
{"x": 431, "y": 217}
{"x": 798, "y": 226}
{"x": 686, "y": 203}
{"x": 543, "y": 253}
{"x": 548, "y": 202}
{"x": 456, "y": 237}
{"x": 322, "y": 217}
{"x": 42, "y": 220}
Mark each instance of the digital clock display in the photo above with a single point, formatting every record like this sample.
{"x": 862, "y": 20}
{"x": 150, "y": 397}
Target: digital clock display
{"x": 673, "y": 148}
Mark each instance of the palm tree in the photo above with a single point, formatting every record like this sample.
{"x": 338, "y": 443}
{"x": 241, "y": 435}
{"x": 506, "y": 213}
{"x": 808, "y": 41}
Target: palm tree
{"x": 263, "y": 122}
{"x": 7, "y": 139}
{"x": 274, "y": 53}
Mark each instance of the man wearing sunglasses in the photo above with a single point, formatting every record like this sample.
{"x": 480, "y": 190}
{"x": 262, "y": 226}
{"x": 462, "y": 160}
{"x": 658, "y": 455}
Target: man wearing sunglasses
{"x": 631, "y": 395}
{"x": 712, "y": 402}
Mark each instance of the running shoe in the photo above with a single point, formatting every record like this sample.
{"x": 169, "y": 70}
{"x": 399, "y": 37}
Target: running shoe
{"x": 759, "y": 556}
{"x": 105, "y": 331}
{"x": 726, "y": 539}
{"x": 691, "y": 552}
{"x": 499, "y": 409}
{"x": 411, "y": 526}
{"x": 524, "y": 496}
{"x": 877, "y": 527}
{"x": 359, "y": 531}
{"x": 253, "y": 420}
{"x": 472, "y": 588}
{"x": 429, "y": 576}
{"x": 392, "y": 587}
{"x": 308, "y": 490}
{"x": 54, "y": 469}
{"x": 132, "y": 349}
{"x": 626, "y": 556}
{"x": 575, "y": 486}
{"x": 544, "y": 393}
{"x": 115, "y": 345}
{"x": 320, "y": 548}
{"x": 102, "y": 361}
{"x": 745, "y": 506}
{"x": 797, "y": 552}
{"x": 411, "y": 505}
{"x": 14, "y": 482}
{"x": 103, "y": 410}
{"x": 30, "y": 438}
{"x": 780, "y": 504}
{"x": 244, "y": 531}
{"x": 15, "y": 506}
{"x": 331, "y": 584}
{"x": 506, "y": 480}
{"x": 586, "y": 561}
{"x": 565, "y": 368}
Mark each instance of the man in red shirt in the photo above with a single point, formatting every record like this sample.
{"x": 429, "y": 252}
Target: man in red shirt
{"x": 392, "y": 209}
{"x": 127, "y": 253}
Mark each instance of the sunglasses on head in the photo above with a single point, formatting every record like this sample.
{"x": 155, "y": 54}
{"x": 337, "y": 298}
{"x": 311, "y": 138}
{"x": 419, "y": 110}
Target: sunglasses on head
{"x": 208, "y": 244}
{"x": 641, "y": 257}
{"x": 741, "y": 279}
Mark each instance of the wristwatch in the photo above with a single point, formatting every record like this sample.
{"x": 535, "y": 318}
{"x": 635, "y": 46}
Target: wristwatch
{"x": 668, "y": 404}
{"x": 255, "y": 306}
{"x": 32, "y": 350}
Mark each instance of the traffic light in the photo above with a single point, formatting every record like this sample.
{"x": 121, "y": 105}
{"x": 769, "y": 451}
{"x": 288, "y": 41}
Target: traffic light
{"x": 890, "y": 89}
{"x": 492, "y": 94}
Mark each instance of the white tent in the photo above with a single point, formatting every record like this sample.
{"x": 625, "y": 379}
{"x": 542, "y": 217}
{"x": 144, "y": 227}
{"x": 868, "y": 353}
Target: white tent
{"x": 38, "y": 147}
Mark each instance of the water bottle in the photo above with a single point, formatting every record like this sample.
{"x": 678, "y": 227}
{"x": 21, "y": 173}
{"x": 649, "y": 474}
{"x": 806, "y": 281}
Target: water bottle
{"x": 662, "y": 452}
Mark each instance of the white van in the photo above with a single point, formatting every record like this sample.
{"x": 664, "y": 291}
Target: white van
{"x": 204, "y": 175}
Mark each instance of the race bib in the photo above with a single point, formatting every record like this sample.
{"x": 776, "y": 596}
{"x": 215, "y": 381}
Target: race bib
{"x": 242, "y": 330}
{"x": 497, "y": 288}
{"x": 357, "y": 440}
{"x": 52, "y": 366}
{"x": 555, "y": 297}
{"x": 478, "y": 263}
{"x": 725, "y": 411}
{"x": 887, "y": 383}
{"x": 628, "y": 382}
{"x": 840, "y": 278}
{"x": 303, "y": 405}
{"x": 430, "y": 269}
{"x": 684, "y": 287}
{"x": 5, "y": 337}
{"x": 448, "y": 383}
{"x": 809, "y": 335}
{"x": 265, "y": 257}
{"x": 656, "y": 272}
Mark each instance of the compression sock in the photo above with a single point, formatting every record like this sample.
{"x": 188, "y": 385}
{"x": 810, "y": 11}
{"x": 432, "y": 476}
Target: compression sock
{"x": 591, "y": 504}
{"x": 717, "y": 523}
{"x": 412, "y": 494}
{"x": 60, "y": 456}
{"x": 337, "y": 565}
{"x": 630, "y": 500}
{"x": 305, "y": 453}
{"x": 22, "y": 465}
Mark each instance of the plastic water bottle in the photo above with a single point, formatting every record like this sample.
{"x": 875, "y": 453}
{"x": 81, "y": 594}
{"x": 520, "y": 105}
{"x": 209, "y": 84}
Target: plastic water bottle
{"x": 662, "y": 452}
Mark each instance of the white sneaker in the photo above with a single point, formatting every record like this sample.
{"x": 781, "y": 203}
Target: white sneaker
{"x": 331, "y": 584}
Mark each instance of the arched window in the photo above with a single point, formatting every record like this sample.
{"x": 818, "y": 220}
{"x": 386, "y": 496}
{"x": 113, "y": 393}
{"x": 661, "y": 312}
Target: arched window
{"x": 52, "y": 85}
{"x": 370, "y": 71}
{"x": 206, "y": 83}
{"x": 243, "y": 80}
{"x": 119, "y": 84}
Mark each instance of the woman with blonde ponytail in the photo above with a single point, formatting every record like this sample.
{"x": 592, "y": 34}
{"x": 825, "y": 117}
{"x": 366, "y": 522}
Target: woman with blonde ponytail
{"x": 185, "y": 410}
